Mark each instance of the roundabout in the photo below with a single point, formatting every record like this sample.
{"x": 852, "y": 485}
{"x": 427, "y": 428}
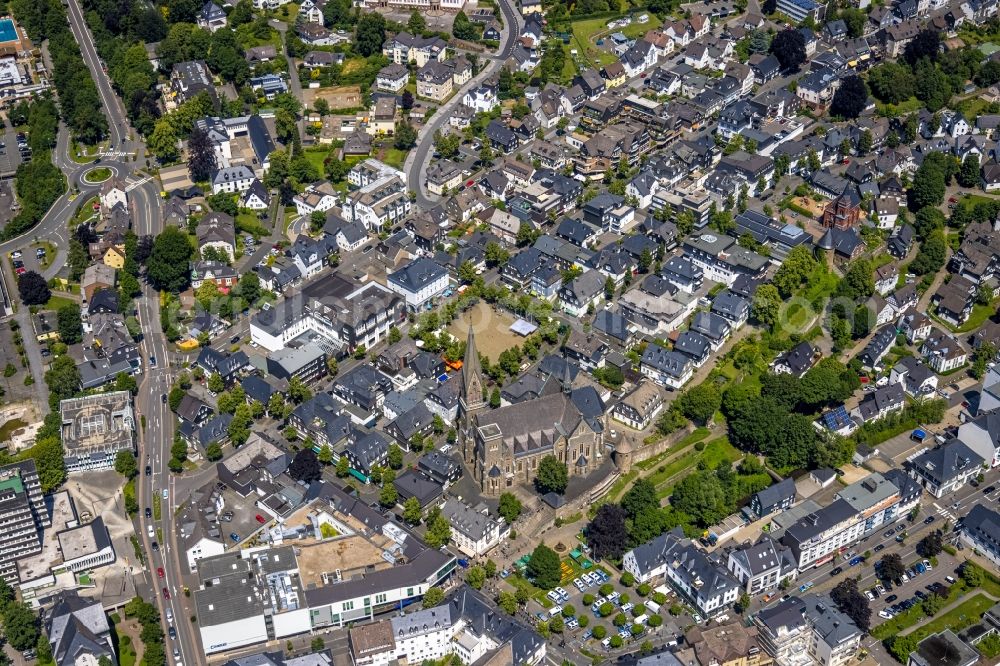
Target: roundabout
{"x": 96, "y": 175}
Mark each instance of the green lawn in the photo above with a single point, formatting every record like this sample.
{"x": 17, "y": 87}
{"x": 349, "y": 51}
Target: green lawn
{"x": 316, "y": 157}
{"x": 56, "y": 302}
{"x": 961, "y": 616}
{"x": 84, "y": 154}
{"x": 713, "y": 454}
{"x": 394, "y": 157}
{"x": 908, "y": 618}
{"x": 247, "y": 222}
{"x": 973, "y": 106}
{"x": 84, "y": 212}
{"x": 587, "y": 32}
{"x": 98, "y": 175}
{"x": 696, "y": 436}
{"x": 911, "y": 105}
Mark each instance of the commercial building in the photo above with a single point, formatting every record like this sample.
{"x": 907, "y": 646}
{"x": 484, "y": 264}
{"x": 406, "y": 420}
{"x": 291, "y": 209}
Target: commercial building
{"x": 23, "y": 514}
{"x": 95, "y": 428}
{"x": 761, "y": 566}
{"x": 943, "y": 649}
{"x": 473, "y": 530}
{"x": 858, "y": 510}
{"x": 333, "y": 307}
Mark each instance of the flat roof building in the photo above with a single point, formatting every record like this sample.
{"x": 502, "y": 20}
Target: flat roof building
{"x": 95, "y": 428}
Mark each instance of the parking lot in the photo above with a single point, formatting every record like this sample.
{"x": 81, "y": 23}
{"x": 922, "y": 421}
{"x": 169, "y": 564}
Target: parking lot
{"x": 570, "y": 602}
{"x": 28, "y": 259}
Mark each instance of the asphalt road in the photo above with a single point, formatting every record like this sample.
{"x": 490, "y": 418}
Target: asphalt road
{"x": 156, "y": 437}
{"x": 415, "y": 165}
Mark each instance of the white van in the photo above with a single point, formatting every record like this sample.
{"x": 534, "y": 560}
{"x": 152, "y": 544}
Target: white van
{"x": 641, "y": 619}
{"x": 652, "y": 606}
{"x": 555, "y": 610}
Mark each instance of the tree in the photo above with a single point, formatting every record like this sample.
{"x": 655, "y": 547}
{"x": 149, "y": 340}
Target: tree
{"x": 701, "y": 402}
{"x": 395, "y": 457}
{"x": 33, "y": 289}
{"x": 213, "y": 451}
{"x": 510, "y": 507}
{"x": 405, "y": 136}
{"x": 507, "y": 602}
{"x": 125, "y": 464}
{"x": 927, "y": 44}
{"x": 416, "y": 24}
{"x": 167, "y": 267}
{"x": 972, "y": 574}
{"x": 931, "y": 256}
{"x": 928, "y": 186}
{"x": 305, "y": 466}
{"x": 891, "y": 567}
{"x": 859, "y": 281}
{"x": 789, "y": 47}
{"x": 852, "y": 603}
{"x": 931, "y": 545}
{"x": 475, "y": 577}
{"x": 447, "y": 144}
{"x": 640, "y": 498}
{"x": 297, "y": 391}
{"x": 851, "y": 98}
{"x": 927, "y": 221}
{"x": 411, "y": 511}
{"x": 201, "y": 155}
{"x": 370, "y": 34}
{"x": 20, "y": 626}
{"x": 70, "y": 324}
{"x": 606, "y": 534}
{"x": 552, "y": 476}
{"x": 891, "y": 82}
{"x": 543, "y": 567}
{"x": 496, "y": 255}
{"x": 63, "y": 379}
{"x": 968, "y": 175}
{"x": 216, "y": 383}
{"x": 438, "y": 531}
{"x": 163, "y": 141}
{"x": 343, "y": 468}
{"x": 701, "y": 496}
{"x": 766, "y": 305}
{"x": 388, "y": 496}
{"x": 434, "y": 597}
{"x": 463, "y": 28}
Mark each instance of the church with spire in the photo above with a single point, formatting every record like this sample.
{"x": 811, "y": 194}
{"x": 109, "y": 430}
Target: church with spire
{"x": 503, "y": 447}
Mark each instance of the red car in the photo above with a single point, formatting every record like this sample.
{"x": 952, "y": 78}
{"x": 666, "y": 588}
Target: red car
{"x": 161, "y": 573}
{"x": 952, "y": 200}
{"x": 260, "y": 519}
{"x": 166, "y": 593}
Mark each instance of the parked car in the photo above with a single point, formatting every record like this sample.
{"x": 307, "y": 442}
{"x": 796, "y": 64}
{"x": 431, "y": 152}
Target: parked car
{"x": 879, "y": 547}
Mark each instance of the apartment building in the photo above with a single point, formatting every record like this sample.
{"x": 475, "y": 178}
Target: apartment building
{"x": 689, "y": 570}
{"x": 981, "y": 531}
{"x": 378, "y": 203}
{"x": 466, "y": 625}
{"x": 807, "y": 631}
{"x": 945, "y": 469}
{"x": 23, "y": 514}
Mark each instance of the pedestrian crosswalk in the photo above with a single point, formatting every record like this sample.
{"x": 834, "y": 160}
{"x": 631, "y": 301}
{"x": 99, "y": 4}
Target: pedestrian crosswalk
{"x": 115, "y": 154}
{"x": 944, "y": 513}
{"x": 132, "y": 183}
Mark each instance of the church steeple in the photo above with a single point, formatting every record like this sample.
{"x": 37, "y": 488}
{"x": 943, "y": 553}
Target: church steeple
{"x": 470, "y": 399}
{"x": 472, "y": 372}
